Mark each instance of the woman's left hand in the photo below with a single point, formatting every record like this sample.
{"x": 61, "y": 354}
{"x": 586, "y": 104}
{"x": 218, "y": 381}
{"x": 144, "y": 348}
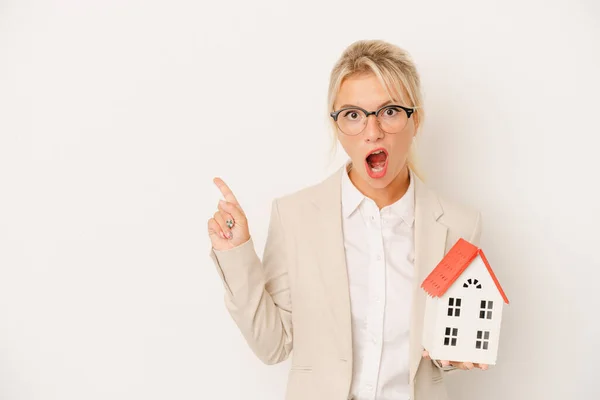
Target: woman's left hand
{"x": 457, "y": 364}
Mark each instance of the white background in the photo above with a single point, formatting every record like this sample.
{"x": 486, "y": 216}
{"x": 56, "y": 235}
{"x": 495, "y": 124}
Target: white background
{"x": 116, "y": 115}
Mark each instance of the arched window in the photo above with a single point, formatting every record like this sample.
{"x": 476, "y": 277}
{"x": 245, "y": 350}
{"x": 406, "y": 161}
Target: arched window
{"x": 472, "y": 282}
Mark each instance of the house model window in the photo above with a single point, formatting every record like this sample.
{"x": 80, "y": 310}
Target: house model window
{"x": 486, "y": 309}
{"x": 453, "y": 307}
{"x": 450, "y": 336}
{"x": 472, "y": 282}
{"x": 483, "y": 338}
{"x": 463, "y": 309}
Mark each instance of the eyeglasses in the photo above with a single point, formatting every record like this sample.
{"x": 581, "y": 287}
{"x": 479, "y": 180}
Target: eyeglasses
{"x": 353, "y": 120}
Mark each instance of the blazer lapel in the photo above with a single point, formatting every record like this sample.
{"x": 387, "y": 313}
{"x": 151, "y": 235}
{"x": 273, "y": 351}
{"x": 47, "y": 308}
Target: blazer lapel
{"x": 328, "y": 241}
{"x": 430, "y": 245}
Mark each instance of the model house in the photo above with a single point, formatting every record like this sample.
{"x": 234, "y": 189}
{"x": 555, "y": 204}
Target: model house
{"x": 463, "y": 310}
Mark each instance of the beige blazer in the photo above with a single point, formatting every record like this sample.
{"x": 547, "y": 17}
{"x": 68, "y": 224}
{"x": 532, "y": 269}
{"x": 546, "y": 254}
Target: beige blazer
{"x": 298, "y": 296}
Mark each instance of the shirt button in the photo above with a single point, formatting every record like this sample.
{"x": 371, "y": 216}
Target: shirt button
{"x": 378, "y": 257}
{"x": 369, "y": 387}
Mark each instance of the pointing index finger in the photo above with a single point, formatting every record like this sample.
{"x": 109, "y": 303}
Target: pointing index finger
{"x": 227, "y": 193}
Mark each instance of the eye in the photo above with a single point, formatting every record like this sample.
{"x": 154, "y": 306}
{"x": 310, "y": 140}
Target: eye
{"x": 351, "y": 115}
{"x": 391, "y": 111}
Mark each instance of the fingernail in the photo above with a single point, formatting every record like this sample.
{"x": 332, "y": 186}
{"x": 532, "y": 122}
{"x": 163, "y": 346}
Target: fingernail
{"x": 221, "y": 202}
{"x": 229, "y": 235}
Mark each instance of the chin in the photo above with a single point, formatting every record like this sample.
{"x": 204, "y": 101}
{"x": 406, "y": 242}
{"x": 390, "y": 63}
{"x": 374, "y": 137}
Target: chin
{"x": 379, "y": 182}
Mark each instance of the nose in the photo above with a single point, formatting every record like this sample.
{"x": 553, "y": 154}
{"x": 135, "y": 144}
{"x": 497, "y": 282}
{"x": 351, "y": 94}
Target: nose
{"x": 372, "y": 131}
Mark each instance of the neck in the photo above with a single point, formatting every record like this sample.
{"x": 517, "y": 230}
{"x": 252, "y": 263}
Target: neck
{"x": 383, "y": 196}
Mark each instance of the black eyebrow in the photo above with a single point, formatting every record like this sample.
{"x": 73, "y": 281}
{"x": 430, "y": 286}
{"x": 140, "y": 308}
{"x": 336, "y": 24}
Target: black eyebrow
{"x": 352, "y": 105}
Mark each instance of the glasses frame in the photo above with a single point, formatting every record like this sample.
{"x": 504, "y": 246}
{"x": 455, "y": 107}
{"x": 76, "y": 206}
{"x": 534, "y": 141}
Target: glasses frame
{"x": 409, "y": 111}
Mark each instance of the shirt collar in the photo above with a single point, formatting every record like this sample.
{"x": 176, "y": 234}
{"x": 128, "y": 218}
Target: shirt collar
{"x": 351, "y": 196}
{"x": 352, "y": 199}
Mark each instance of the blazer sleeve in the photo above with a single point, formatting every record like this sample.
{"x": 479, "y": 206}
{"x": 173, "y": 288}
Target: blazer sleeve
{"x": 257, "y": 293}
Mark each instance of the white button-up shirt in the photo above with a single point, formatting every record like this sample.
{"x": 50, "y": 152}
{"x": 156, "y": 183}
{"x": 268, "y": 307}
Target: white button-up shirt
{"x": 379, "y": 247}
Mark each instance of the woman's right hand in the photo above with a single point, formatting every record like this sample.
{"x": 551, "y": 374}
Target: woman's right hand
{"x": 221, "y": 236}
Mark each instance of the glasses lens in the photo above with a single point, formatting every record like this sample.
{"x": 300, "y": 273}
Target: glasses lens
{"x": 392, "y": 119}
{"x": 351, "y": 121}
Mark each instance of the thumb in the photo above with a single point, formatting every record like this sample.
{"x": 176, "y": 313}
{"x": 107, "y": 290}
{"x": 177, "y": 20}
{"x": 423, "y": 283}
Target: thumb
{"x": 214, "y": 231}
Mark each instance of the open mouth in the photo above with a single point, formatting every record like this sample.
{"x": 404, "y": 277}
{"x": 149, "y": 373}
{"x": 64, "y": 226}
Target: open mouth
{"x": 376, "y": 163}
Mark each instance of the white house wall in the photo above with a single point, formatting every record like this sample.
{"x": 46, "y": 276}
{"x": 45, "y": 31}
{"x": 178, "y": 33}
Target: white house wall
{"x": 468, "y": 323}
{"x": 429, "y": 328}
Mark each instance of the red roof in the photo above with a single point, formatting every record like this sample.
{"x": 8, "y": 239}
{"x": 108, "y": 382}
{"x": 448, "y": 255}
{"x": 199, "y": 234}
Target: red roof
{"x": 453, "y": 265}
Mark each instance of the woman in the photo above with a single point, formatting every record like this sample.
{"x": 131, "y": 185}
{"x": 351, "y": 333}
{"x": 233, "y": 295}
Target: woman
{"x": 339, "y": 281}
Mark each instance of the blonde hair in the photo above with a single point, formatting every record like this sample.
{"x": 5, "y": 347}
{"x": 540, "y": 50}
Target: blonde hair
{"x": 396, "y": 72}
